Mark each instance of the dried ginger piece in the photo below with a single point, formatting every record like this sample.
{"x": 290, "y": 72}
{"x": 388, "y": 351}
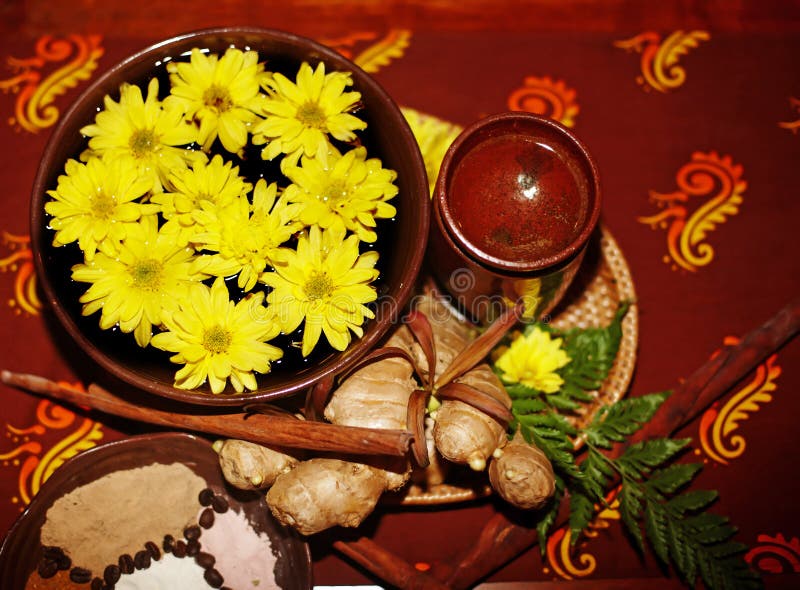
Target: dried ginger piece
{"x": 522, "y": 475}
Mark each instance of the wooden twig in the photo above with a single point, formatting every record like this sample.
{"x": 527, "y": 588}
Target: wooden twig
{"x": 503, "y": 539}
{"x": 282, "y": 431}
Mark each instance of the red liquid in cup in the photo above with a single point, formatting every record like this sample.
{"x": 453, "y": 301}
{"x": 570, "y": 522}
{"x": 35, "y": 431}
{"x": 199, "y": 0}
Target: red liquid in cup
{"x": 514, "y": 198}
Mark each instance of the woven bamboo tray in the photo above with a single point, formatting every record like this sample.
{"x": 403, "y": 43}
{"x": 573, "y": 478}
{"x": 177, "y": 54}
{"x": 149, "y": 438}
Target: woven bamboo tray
{"x": 603, "y": 281}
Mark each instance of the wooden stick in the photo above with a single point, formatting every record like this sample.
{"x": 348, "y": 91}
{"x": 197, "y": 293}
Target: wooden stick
{"x": 272, "y": 430}
{"x": 504, "y": 537}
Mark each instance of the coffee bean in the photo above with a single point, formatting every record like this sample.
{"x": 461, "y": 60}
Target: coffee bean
{"x": 111, "y": 574}
{"x": 64, "y": 562}
{"x": 80, "y": 575}
{"x": 205, "y": 560}
{"x": 192, "y": 533}
{"x": 97, "y": 584}
{"x": 168, "y": 544}
{"x": 207, "y": 518}
{"x": 141, "y": 560}
{"x": 152, "y": 548}
{"x": 192, "y": 548}
{"x": 206, "y": 496}
{"x": 219, "y": 504}
{"x": 53, "y": 553}
{"x": 47, "y": 568}
{"x": 126, "y": 564}
{"x": 180, "y": 549}
{"x": 213, "y": 577}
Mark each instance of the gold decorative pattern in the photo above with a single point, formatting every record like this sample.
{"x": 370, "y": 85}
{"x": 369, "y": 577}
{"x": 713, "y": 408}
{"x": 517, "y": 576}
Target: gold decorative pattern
{"x": 715, "y": 180}
{"x": 560, "y": 554}
{"x": 775, "y": 555}
{"x": 717, "y": 426}
{"x": 28, "y": 455}
{"x": 20, "y": 262}
{"x": 375, "y": 56}
{"x": 659, "y": 62}
{"x": 37, "y": 90}
{"x": 792, "y": 126}
{"x": 546, "y": 97}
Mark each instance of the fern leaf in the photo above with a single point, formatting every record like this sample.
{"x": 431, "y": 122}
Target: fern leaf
{"x": 546, "y": 522}
{"x": 639, "y": 459}
{"x": 630, "y": 510}
{"x": 581, "y": 512}
{"x": 655, "y": 525}
{"x": 616, "y": 422}
{"x": 672, "y": 478}
{"x": 691, "y": 501}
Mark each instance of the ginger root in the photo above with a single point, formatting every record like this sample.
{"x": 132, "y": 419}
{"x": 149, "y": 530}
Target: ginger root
{"x": 464, "y": 434}
{"x": 321, "y": 493}
{"x": 249, "y": 466}
{"x": 522, "y": 475}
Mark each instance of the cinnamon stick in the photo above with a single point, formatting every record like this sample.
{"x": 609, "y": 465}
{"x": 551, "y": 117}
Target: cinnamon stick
{"x": 503, "y": 539}
{"x": 275, "y": 430}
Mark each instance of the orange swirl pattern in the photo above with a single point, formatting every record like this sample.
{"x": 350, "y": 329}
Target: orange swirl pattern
{"x": 546, "y": 97}
{"x": 792, "y": 126}
{"x": 375, "y": 56}
{"x": 29, "y": 456}
{"x": 717, "y": 426}
{"x": 19, "y": 261}
{"x": 775, "y": 555}
{"x": 659, "y": 61}
{"x": 570, "y": 564}
{"x": 718, "y": 184}
{"x": 36, "y": 92}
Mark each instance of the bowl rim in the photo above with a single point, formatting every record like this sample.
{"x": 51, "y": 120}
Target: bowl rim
{"x": 337, "y": 362}
{"x": 64, "y": 474}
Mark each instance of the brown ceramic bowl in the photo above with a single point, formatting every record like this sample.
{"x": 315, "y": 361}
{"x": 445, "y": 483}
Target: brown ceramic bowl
{"x": 19, "y": 553}
{"x": 402, "y": 245}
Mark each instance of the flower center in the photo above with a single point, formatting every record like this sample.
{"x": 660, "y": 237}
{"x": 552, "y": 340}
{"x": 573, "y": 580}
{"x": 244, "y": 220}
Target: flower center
{"x": 102, "y": 205}
{"x": 318, "y": 286}
{"x": 217, "y": 339}
{"x": 142, "y": 142}
{"x": 147, "y": 274}
{"x": 218, "y": 98}
{"x": 335, "y": 194}
{"x": 311, "y": 115}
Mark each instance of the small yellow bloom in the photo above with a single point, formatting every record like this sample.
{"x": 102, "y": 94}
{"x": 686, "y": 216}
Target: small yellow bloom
{"x": 217, "y": 183}
{"x": 434, "y": 137}
{"x": 95, "y": 204}
{"x": 246, "y": 238}
{"x": 216, "y": 339}
{"x": 142, "y": 130}
{"x": 300, "y": 116}
{"x": 350, "y": 192}
{"x": 223, "y": 94}
{"x": 326, "y": 283}
{"x": 533, "y": 359}
{"x": 148, "y": 275}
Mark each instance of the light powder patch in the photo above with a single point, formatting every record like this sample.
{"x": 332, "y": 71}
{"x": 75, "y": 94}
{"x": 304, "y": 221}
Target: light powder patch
{"x": 118, "y": 513}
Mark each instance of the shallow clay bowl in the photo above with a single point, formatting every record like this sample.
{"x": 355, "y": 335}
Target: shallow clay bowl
{"x": 402, "y": 245}
{"x": 19, "y": 553}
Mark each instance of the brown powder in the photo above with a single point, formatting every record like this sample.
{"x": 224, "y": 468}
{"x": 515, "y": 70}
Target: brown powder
{"x": 118, "y": 513}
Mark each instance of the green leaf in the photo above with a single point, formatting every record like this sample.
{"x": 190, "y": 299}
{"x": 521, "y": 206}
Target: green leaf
{"x": 616, "y": 422}
{"x": 638, "y": 460}
{"x": 556, "y": 446}
{"x": 528, "y": 406}
{"x": 655, "y": 525}
{"x": 630, "y": 509}
{"x": 691, "y": 501}
{"x": 581, "y": 512}
{"x": 546, "y": 522}
{"x": 672, "y": 478}
{"x": 597, "y": 474}
{"x": 520, "y": 391}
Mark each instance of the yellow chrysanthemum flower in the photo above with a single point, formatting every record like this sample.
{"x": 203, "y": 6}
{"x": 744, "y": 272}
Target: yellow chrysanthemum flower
{"x": 217, "y": 340}
{"x": 533, "y": 359}
{"x": 433, "y": 136}
{"x": 95, "y": 204}
{"x": 223, "y": 94}
{"x": 148, "y": 275}
{"x": 247, "y": 238}
{"x": 300, "y": 116}
{"x": 327, "y": 284}
{"x": 217, "y": 183}
{"x": 349, "y": 193}
{"x": 143, "y": 130}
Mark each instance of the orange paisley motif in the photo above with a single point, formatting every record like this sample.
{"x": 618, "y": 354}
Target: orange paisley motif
{"x": 717, "y": 183}
{"x": 775, "y": 555}
{"x": 20, "y": 262}
{"x": 30, "y": 456}
{"x": 717, "y": 426}
{"x": 76, "y": 57}
{"x": 792, "y": 126}
{"x": 659, "y": 62}
{"x": 377, "y": 54}
{"x": 560, "y": 553}
{"x": 546, "y": 97}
